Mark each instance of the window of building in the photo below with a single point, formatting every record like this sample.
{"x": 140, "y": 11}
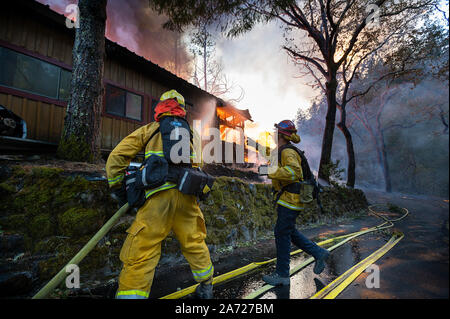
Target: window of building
{"x": 32, "y": 75}
{"x": 123, "y": 103}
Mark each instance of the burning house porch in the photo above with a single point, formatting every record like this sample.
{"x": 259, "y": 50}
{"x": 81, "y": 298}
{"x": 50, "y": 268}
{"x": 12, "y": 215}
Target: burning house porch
{"x": 231, "y": 122}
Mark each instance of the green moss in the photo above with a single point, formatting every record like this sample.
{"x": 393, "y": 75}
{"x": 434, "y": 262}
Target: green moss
{"x": 46, "y": 172}
{"x": 95, "y": 260}
{"x": 49, "y": 245}
{"x": 74, "y": 148}
{"x": 78, "y": 221}
{"x": 41, "y": 226}
{"x": 16, "y": 222}
{"x": 216, "y": 196}
{"x": 46, "y": 202}
{"x": 6, "y": 188}
{"x": 48, "y": 268}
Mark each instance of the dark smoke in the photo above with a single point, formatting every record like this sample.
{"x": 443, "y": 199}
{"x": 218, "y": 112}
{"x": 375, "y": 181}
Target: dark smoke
{"x": 133, "y": 25}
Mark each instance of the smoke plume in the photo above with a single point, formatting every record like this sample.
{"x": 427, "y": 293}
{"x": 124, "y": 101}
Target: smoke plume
{"x": 135, "y": 26}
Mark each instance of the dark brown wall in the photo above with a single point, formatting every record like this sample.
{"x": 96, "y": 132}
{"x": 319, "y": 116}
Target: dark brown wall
{"x": 30, "y": 33}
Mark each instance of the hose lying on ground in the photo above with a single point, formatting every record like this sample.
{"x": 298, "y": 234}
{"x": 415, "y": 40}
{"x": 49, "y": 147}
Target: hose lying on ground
{"x": 61, "y": 275}
{"x": 332, "y": 290}
{"x": 388, "y": 223}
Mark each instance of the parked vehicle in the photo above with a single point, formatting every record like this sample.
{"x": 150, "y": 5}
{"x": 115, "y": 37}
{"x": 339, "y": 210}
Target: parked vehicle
{"x": 11, "y": 124}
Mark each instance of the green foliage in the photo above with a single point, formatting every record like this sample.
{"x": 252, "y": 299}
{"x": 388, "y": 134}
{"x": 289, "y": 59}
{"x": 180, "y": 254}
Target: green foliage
{"x": 233, "y": 16}
{"x": 394, "y": 208}
{"x": 41, "y": 226}
{"x": 333, "y": 171}
{"x": 77, "y": 221}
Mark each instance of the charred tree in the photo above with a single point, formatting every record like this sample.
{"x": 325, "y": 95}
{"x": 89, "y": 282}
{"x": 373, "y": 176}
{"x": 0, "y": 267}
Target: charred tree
{"x": 330, "y": 121}
{"x": 351, "y": 166}
{"x": 80, "y": 140}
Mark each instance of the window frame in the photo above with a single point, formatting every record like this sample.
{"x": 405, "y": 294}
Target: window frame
{"x": 32, "y": 95}
{"x": 125, "y": 118}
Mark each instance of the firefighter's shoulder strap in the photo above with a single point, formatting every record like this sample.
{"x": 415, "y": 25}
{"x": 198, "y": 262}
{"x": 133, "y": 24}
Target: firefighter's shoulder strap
{"x": 306, "y": 170}
{"x": 156, "y": 131}
{"x": 308, "y": 177}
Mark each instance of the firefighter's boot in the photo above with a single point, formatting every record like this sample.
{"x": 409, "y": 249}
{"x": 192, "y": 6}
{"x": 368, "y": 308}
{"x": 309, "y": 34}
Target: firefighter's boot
{"x": 276, "y": 280}
{"x": 204, "y": 290}
{"x": 320, "y": 262}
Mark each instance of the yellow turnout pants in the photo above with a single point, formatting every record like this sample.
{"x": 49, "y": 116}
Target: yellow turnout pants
{"x": 164, "y": 211}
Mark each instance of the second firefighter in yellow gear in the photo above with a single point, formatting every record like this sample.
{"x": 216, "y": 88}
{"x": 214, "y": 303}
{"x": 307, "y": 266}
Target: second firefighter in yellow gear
{"x": 166, "y": 209}
{"x": 289, "y": 171}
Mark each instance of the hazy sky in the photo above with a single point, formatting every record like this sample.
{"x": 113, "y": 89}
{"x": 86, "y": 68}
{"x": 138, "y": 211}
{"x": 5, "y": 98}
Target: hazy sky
{"x": 257, "y": 62}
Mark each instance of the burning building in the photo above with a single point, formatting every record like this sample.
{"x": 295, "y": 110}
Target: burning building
{"x": 35, "y": 72}
{"x": 231, "y": 122}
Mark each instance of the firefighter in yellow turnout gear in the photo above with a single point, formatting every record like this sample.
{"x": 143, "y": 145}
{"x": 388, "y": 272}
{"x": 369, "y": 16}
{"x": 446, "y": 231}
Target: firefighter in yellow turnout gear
{"x": 285, "y": 180}
{"x": 166, "y": 209}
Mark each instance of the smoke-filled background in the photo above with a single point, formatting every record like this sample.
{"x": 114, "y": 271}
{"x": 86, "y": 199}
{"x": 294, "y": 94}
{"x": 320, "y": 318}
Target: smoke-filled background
{"x": 133, "y": 25}
{"x": 414, "y": 121}
{"x": 413, "y": 129}
{"x": 255, "y": 61}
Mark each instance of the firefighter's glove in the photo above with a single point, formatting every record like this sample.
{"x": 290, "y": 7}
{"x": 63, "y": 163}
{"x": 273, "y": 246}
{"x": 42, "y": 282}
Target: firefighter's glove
{"x": 120, "y": 196}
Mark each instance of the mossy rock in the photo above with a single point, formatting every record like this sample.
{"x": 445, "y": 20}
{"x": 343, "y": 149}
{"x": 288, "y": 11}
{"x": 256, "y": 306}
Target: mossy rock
{"x": 49, "y": 245}
{"x": 96, "y": 259}
{"x": 42, "y": 226}
{"x": 16, "y": 222}
{"x": 79, "y": 221}
{"x": 58, "y": 213}
{"x": 48, "y": 268}
{"x": 46, "y": 172}
{"x": 6, "y": 189}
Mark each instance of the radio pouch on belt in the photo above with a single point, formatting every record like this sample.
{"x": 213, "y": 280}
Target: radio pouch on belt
{"x": 154, "y": 173}
{"x": 196, "y": 182}
{"x": 135, "y": 195}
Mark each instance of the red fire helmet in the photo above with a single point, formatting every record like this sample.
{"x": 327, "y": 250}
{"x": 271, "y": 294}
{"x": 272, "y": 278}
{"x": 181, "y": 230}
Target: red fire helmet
{"x": 286, "y": 127}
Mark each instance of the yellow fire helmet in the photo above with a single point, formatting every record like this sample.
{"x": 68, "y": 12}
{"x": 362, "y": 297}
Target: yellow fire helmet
{"x": 173, "y": 94}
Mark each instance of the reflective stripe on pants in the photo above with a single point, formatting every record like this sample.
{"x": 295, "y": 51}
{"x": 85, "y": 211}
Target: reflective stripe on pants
{"x": 132, "y": 294}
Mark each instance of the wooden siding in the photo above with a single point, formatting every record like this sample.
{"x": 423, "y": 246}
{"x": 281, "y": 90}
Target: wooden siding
{"x": 20, "y": 30}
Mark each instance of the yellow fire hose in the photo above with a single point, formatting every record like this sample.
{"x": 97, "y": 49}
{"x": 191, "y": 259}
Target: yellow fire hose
{"x": 61, "y": 275}
{"x": 332, "y": 290}
{"x": 234, "y": 273}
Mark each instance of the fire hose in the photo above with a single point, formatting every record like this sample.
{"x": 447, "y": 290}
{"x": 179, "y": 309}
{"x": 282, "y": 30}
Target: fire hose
{"x": 61, "y": 275}
{"x": 388, "y": 223}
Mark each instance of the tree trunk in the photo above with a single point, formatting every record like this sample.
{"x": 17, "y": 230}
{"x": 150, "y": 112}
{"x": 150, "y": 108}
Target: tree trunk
{"x": 327, "y": 141}
{"x": 80, "y": 140}
{"x": 204, "y": 66}
{"x": 350, "y": 149}
{"x": 385, "y": 164}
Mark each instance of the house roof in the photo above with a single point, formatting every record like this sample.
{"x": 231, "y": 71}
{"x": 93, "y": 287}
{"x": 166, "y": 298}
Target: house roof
{"x": 243, "y": 114}
{"x": 112, "y": 48}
